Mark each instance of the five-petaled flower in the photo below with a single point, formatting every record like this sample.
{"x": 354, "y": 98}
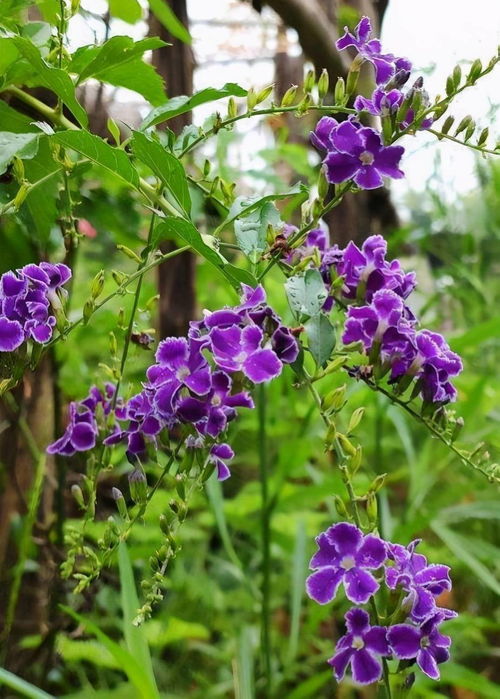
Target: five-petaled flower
{"x": 345, "y": 555}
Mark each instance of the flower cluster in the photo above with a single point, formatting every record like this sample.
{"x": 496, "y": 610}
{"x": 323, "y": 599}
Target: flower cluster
{"x": 30, "y": 303}
{"x": 384, "y": 325}
{"x": 196, "y": 381}
{"x": 358, "y": 152}
{"x": 362, "y": 563}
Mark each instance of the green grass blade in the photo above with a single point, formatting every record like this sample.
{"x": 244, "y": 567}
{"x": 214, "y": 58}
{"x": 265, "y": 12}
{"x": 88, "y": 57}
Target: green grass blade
{"x": 299, "y": 573}
{"x": 134, "y": 636}
{"x": 243, "y": 680}
{"x": 24, "y": 688}
{"x": 127, "y": 662}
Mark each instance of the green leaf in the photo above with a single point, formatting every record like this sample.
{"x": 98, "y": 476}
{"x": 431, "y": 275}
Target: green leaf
{"x": 53, "y": 78}
{"x": 40, "y": 205}
{"x": 99, "y": 152}
{"x": 242, "y": 206}
{"x": 251, "y": 230}
{"x": 18, "y": 123}
{"x": 321, "y": 338}
{"x": 183, "y": 103}
{"x": 166, "y": 167}
{"x": 24, "y": 688}
{"x": 460, "y": 676}
{"x": 20, "y": 145}
{"x": 488, "y": 509}
{"x": 167, "y": 18}
{"x": 172, "y": 227}
{"x": 134, "y": 636}
{"x": 90, "y": 651}
{"x": 481, "y": 332}
{"x": 306, "y": 293}
{"x": 299, "y": 573}
{"x": 464, "y": 550}
{"x": 129, "y": 11}
{"x": 244, "y": 670}
{"x": 136, "y": 674}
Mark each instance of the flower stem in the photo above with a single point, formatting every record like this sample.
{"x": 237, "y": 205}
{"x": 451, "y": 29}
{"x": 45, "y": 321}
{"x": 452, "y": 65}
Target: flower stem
{"x": 266, "y": 540}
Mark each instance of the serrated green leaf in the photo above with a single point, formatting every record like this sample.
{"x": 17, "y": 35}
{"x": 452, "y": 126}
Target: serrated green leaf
{"x": 251, "y": 230}
{"x": 183, "y": 103}
{"x": 99, "y": 152}
{"x": 129, "y": 11}
{"x": 40, "y": 205}
{"x": 320, "y": 337}
{"x": 42, "y": 74}
{"x": 167, "y": 18}
{"x": 173, "y": 228}
{"x": 306, "y": 293}
{"x": 96, "y": 61}
{"x": 20, "y": 145}
{"x": 166, "y": 167}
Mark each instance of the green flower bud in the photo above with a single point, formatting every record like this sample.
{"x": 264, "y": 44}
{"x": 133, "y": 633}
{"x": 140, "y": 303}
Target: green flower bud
{"x": 459, "y": 424}
{"x": 138, "y": 486}
{"x": 378, "y": 483}
{"x": 457, "y": 75}
{"x": 465, "y": 123}
{"x": 483, "y": 137}
{"x": 129, "y": 253}
{"x": 309, "y": 81}
{"x": 97, "y": 284}
{"x": 232, "y": 112}
{"x": 323, "y": 84}
{"x": 76, "y": 492}
{"x": 251, "y": 99}
{"x": 289, "y": 96}
{"x": 340, "y": 507}
{"x": 356, "y": 418}
{"x": 448, "y": 123}
{"x": 88, "y": 309}
{"x": 339, "y": 94}
{"x": 264, "y": 93}
{"x": 334, "y": 400}
{"x": 475, "y": 71}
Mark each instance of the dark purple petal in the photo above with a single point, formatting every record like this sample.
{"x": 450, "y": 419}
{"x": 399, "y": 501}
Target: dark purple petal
{"x": 427, "y": 663}
{"x": 340, "y": 662}
{"x": 346, "y": 138}
{"x": 191, "y": 410}
{"x": 223, "y": 451}
{"x": 359, "y": 585}
{"x": 11, "y": 335}
{"x": 83, "y": 436}
{"x": 357, "y": 621}
{"x": 199, "y": 381}
{"x": 387, "y": 161}
{"x": 404, "y": 641}
{"x": 323, "y": 584}
{"x": 365, "y": 668}
{"x": 368, "y": 177}
{"x": 223, "y": 472}
{"x": 262, "y": 365}
{"x": 376, "y": 640}
{"x": 346, "y": 538}
{"x": 341, "y": 167}
{"x": 372, "y": 552}
{"x": 173, "y": 352}
{"x": 12, "y": 285}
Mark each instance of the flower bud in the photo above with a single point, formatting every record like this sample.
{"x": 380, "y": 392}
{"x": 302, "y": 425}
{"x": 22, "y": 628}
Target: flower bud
{"x": 459, "y": 424}
{"x": 206, "y": 168}
{"x": 334, "y": 400}
{"x": 118, "y": 277}
{"x": 251, "y": 99}
{"x": 335, "y": 364}
{"x": 113, "y": 345}
{"x": 76, "y": 492}
{"x": 483, "y": 137}
{"x": 88, "y": 309}
{"x": 304, "y": 104}
{"x": 475, "y": 71}
{"x": 469, "y": 131}
{"x": 346, "y": 444}
{"x": 114, "y": 130}
{"x": 97, "y": 284}
{"x": 372, "y": 508}
{"x": 340, "y": 507}
{"x": 457, "y": 75}
{"x": 355, "y": 460}
{"x": 289, "y": 96}
{"x": 353, "y": 76}
{"x": 450, "y": 86}
{"x": 323, "y": 84}
{"x": 309, "y": 81}
{"x": 121, "y": 505}
{"x": 129, "y": 253}
{"x": 138, "y": 486}
{"x": 323, "y": 184}
{"x": 466, "y": 121}
{"x": 264, "y": 93}
{"x": 448, "y": 123}
{"x": 356, "y": 418}
{"x": 378, "y": 483}
{"x": 232, "y": 112}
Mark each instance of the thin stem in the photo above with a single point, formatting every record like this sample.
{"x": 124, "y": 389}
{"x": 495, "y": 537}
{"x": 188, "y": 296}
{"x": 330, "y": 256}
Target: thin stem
{"x": 330, "y": 109}
{"x": 463, "y": 143}
{"x": 265, "y": 514}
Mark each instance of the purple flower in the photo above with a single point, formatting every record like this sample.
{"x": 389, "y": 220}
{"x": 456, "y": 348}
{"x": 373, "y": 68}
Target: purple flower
{"x": 29, "y": 303}
{"x": 359, "y": 154}
{"x": 422, "y": 582}
{"x": 381, "y": 103}
{"x": 80, "y": 434}
{"x": 361, "y": 648}
{"x": 371, "y": 50}
{"x": 345, "y": 555}
{"x": 237, "y": 349}
{"x": 423, "y": 643}
{"x": 369, "y": 324}
{"x": 219, "y": 455}
{"x": 366, "y": 271}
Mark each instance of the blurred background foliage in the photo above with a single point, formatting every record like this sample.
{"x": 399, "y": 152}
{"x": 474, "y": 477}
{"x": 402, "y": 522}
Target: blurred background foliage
{"x": 203, "y": 640}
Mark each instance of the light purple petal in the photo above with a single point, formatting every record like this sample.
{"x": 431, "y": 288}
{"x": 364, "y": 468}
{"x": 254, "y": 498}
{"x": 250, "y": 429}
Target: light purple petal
{"x": 262, "y": 365}
{"x": 372, "y": 552}
{"x": 427, "y": 663}
{"x": 322, "y": 585}
{"x": 368, "y": 177}
{"x": 340, "y": 662}
{"x": 359, "y": 585}
{"x": 365, "y": 668}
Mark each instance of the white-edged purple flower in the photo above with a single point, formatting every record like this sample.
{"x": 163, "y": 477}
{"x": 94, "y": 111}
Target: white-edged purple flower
{"x": 422, "y": 582}
{"x": 424, "y": 643}
{"x": 385, "y": 64}
{"x": 345, "y": 556}
{"x": 30, "y": 301}
{"x": 81, "y": 432}
{"x": 368, "y": 324}
{"x": 237, "y": 349}
{"x": 220, "y": 454}
{"x": 362, "y": 648}
{"x": 359, "y": 154}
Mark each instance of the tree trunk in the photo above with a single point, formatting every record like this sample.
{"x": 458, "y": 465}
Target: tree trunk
{"x": 176, "y": 277}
